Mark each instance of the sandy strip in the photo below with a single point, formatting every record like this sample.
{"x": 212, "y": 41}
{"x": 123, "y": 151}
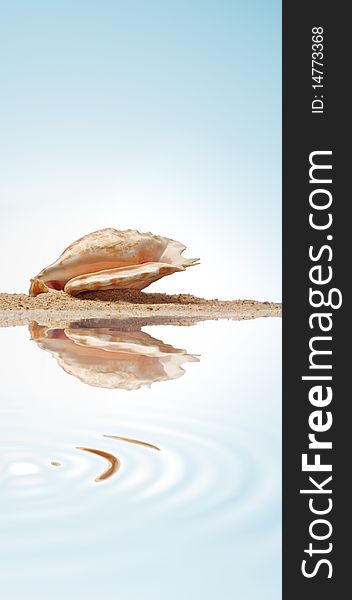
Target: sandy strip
{"x": 59, "y": 309}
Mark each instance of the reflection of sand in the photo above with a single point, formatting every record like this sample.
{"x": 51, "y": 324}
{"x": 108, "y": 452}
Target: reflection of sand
{"x": 60, "y": 308}
{"x": 108, "y": 357}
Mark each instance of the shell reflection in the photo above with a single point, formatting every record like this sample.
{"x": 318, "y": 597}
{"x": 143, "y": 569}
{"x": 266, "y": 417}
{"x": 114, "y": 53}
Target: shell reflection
{"x": 110, "y": 357}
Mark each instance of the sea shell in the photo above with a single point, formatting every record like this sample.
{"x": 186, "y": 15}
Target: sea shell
{"x": 109, "y": 357}
{"x": 110, "y": 259}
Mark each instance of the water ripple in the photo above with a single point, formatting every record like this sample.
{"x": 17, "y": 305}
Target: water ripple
{"x": 204, "y": 476}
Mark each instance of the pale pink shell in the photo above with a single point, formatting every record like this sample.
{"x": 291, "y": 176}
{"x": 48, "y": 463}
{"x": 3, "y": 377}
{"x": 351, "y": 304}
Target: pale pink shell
{"x": 109, "y": 358}
{"x": 110, "y": 259}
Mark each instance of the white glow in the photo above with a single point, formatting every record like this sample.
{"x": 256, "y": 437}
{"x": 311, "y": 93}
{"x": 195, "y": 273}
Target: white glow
{"x": 23, "y": 468}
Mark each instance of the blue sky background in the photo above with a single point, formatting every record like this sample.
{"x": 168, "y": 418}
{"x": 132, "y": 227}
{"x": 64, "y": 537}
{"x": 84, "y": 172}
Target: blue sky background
{"x": 148, "y": 114}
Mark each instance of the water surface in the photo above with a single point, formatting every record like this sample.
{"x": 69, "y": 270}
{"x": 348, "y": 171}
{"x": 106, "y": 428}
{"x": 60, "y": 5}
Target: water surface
{"x": 141, "y": 463}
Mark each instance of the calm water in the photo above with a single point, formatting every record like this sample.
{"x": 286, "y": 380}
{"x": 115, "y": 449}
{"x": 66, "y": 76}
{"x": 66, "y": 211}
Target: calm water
{"x": 141, "y": 464}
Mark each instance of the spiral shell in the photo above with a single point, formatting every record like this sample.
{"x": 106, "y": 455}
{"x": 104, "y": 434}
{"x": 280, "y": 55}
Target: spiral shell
{"x": 110, "y": 259}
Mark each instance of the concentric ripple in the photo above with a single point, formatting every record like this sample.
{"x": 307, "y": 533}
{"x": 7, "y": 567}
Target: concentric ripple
{"x": 201, "y": 470}
{"x": 205, "y": 471}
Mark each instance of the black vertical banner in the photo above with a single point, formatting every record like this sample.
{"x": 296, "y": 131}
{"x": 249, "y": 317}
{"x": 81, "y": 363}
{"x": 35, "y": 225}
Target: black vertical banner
{"x": 317, "y": 428}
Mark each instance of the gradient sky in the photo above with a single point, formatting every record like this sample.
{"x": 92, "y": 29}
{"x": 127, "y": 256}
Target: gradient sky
{"x": 148, "y": 114}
